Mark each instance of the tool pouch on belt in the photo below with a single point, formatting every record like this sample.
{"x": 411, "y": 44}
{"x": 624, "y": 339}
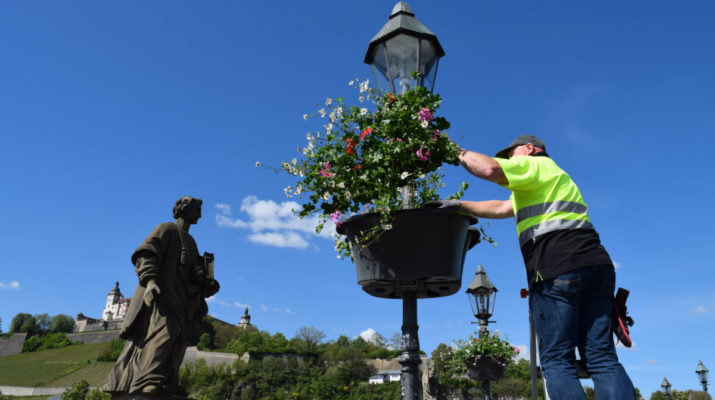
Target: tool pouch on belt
{"x": 620, "y": 318}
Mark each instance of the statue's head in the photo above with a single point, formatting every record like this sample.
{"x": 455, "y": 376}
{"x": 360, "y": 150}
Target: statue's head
{"x": 188, "y": 208}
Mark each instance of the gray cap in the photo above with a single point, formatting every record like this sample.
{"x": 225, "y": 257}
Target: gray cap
{"x": 523, "y": 139}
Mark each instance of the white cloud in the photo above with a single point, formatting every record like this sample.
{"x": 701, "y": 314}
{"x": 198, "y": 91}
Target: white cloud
{"x": 211, "y": 299}
{"x": 523, "y": 351}
{"x": 240, "y": 305}
{"x": 280, "y": 239}
{"x": 700, "y": 310}
{"x": 272, "y": 223}
{"x": 619, "y": 345}
{"x": 616, "y": 265}
{"x": 225, "y": 209}
{"x": 11, "y": 285}
{"x": 288, "y": 311}
{"x": 264, "y": 308}
{"x": 369, "y": 335}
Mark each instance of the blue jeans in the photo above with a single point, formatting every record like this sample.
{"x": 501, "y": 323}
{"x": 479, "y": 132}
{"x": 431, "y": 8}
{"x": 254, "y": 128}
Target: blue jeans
{"x": 574, "y": 310}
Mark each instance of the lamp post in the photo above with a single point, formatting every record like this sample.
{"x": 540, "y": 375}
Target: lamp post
{"x": 482, "y": 295}
{"x": 666, "y": 388}
{"x": 703, "y": 376}
{"x": 404, "y": 45}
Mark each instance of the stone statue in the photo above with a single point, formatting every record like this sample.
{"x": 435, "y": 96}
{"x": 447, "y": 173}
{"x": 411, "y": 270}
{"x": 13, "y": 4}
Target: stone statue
{"x": 166, "y": 309}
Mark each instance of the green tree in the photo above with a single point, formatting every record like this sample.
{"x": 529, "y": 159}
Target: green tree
{"x": 116, "y": 346}
{"x": 96, "y": 394}
{"x": 78, "y": 391}
{"x": 62, "y": 323}
{"x": 43, "y": 322}
{"x": 23, "y": 322}
{"x": 311, "y": 337}
{"x": 205, "y": 341}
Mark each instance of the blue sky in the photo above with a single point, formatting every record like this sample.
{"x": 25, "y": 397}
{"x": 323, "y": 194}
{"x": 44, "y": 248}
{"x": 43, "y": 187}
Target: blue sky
{"x": 111, "y": 111}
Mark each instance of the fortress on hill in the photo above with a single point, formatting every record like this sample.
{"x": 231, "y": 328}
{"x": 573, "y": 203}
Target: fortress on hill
{"x": 115, "y": 309}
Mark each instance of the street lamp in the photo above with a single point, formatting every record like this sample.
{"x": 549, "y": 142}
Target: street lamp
{"x": 482, "y": 295}
{"x": 666, "y": 388}
{"x": 404, "y": 45}
{"x": 703, "y": 376}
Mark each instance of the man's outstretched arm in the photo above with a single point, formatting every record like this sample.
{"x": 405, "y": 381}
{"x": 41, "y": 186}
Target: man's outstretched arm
{"x": 482, "y": 166}
{"x": 492, "y": 209}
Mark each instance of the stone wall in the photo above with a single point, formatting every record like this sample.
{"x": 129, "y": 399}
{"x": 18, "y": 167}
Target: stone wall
{"x": 94, "y": 337}
{"x": 13, "y": 344}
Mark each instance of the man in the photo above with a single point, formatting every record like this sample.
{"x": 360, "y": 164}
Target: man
{"x": 570, "y": 274}
{"x": 166, "y": 308}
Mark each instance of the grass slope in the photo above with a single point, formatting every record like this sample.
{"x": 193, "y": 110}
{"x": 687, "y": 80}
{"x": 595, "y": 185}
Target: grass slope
{"x": 47, "y": 368}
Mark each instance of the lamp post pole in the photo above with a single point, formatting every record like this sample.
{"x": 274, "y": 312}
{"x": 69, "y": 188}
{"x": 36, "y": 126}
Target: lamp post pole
{"x": 403, "y": 46}
{"x": 482, "y": 295}
{"x": 702, "y": 373}
{"x": 666, "y": 388}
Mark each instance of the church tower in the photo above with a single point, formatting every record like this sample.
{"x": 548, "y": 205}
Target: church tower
{"x": 110, "y": 309}
{"x": 245, "y": 320}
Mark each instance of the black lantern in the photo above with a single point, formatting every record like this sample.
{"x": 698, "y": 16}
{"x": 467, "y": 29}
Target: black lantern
{"x": 702, "y": 375}
{"x": 404, "y": 45}
{"x": 666, "y": 388}
{"x": 482, "y": 295}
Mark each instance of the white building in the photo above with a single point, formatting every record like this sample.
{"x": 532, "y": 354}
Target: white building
{"x": 116, "y": 307}
{"x": 385, "y": 376}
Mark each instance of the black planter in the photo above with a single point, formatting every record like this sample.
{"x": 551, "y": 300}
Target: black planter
{"x": 423, "y": 253}
{"x": 483, "y": 368}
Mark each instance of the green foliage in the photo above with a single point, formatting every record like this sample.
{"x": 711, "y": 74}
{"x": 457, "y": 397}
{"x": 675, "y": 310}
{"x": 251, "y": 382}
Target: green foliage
{"x": 78, "y": 391}
{"x": 680, "y": 395}
{"x": 115, "y": 349}
{"x": 62, "y": 323}
{"x": 96, "y": 394}
{"x": 490, "y": 344}
{"x": 23, "y": 322}
{"x": 205, "y": 341}
{"x": 46, "y": 342}
{"x": 365, "y": 157}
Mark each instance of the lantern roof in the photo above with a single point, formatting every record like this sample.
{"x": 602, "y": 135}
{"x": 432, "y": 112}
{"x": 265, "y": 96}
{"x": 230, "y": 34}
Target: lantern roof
{"x": 665, "y": 383}
{"x": 701, "y": 368}
{"x": 481, "y": 281}
{"x": 402, "y": 20}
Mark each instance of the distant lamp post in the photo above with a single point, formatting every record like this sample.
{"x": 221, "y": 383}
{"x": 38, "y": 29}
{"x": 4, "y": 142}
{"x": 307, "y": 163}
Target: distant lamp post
{"x": 482, "y": 295}
{"x": 703, "y": 376}
{"x": 666, "y": 388}
{"x": 404, "y": 45}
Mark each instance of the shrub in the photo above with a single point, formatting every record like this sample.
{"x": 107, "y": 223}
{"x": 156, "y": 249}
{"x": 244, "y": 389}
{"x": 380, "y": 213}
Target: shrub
{"x": 46, "y": 342}
{"x": 115, "y": 349}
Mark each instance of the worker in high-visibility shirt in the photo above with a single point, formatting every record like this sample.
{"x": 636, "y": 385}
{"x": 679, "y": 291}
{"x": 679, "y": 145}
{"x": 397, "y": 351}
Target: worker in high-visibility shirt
{"x": 571, "y": 276}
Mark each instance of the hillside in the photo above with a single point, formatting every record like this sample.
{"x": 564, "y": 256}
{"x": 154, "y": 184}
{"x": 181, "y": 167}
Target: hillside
{"x": 56, "y": 367}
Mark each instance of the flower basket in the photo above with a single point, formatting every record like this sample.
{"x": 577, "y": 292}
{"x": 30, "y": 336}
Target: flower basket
{"x": 422, "y": 253}
{"x": 485, "y": 368}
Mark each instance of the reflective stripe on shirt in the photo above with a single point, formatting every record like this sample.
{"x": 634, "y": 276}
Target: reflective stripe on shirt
{"x": 550, "y": 226}
{"x": 550, "y": 207}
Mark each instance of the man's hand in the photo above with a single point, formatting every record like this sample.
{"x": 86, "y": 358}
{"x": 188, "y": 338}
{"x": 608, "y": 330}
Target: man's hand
{"x": 151, "y": 293}
{"x": 442, "y": 204}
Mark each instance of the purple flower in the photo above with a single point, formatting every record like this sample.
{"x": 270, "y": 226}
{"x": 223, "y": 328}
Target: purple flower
{"x": 425, "y": 115}
{"x": 336, "y": 218}
{"x": 422, "y": 156}
{"x": 436, "y": 134}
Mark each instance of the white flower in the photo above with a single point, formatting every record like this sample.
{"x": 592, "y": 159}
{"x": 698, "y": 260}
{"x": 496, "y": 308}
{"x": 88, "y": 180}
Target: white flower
{"x": 294, "y": 161}
{"x": 322, "y": 112}
{"x": 326, "y": 196}
{"x": 351, "y": 83}
{"x": 258, "y": 163}
{"x": 328, "y": 128}
{"x": 328, "y": 101}
{"x": 305, "y": 151}
{"x": 363, "y": 111}
{"x": 362, "y": 98}
{"x": 298, "y": 190}
{"x": 363, "y": 86}
{"x": 404, "y": 175}
{"x": 424, "y": 124}
{"x": 305, "y": 117}
{"x": 288, "y": 191}
{"x": 347, "y": 194}
{"x": 341, "y": 185}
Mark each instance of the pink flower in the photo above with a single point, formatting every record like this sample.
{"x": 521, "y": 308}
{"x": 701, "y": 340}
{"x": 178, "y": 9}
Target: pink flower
{"x": 336, "y": 217}
{"x": 435, "y": 134}
{"x": 325, "y": 171}
{"x": 398, "y": 139}
{"x": 422, "y": 156}
{"x": 425, "y": 115}
{"x": 516, "y": 350}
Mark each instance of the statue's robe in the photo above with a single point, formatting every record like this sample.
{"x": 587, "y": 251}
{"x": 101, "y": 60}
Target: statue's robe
{"x": 157, "y": 335}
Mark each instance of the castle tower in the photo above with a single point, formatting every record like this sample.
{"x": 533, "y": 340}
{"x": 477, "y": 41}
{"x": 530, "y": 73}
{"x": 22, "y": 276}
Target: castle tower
{"x": 245, "y": 320}
{"x": 113, "y": 308}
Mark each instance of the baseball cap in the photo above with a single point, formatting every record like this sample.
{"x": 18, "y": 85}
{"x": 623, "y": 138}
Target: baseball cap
{"x": 523, "y": 139}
